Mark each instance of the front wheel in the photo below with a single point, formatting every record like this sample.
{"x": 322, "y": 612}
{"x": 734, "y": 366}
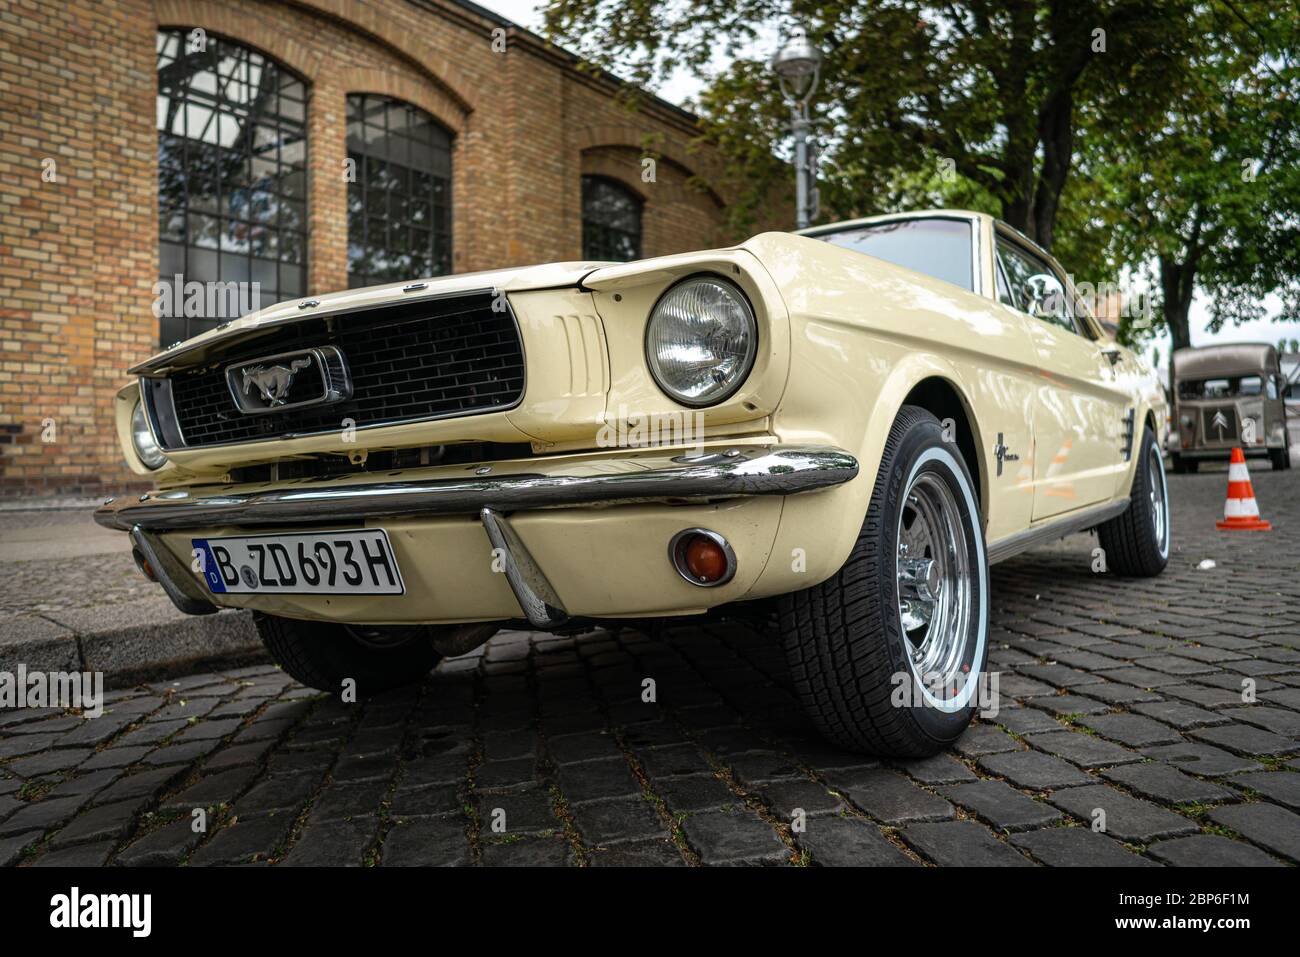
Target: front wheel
{"x": 323, "y": 655}
{"x": 1136, "y": 542}
{"x": 887, "y": 654}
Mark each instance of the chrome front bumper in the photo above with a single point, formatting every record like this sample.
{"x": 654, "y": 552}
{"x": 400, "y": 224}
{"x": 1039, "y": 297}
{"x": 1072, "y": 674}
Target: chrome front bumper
{"x": 735, "y": 473}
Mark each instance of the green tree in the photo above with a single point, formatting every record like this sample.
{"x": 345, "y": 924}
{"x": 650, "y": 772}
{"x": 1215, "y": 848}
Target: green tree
{"x": 1209, "y": 197}
{"x": 982, "y": 95}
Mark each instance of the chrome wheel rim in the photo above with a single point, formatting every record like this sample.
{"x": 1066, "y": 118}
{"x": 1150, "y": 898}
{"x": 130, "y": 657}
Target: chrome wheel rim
{"x": 1159, "y": 495}
{"x": 934, "y": 573}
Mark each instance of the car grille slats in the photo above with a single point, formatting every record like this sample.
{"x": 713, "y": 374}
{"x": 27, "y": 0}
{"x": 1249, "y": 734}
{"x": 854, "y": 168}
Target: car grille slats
{"x": 412, "y": 361}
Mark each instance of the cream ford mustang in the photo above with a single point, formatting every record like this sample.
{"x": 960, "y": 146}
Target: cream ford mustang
{"x": 853, "y": 423}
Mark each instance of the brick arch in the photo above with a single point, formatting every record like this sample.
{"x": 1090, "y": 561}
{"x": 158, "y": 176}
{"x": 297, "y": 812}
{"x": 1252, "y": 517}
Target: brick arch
{"x": 618, "y": 137}
{"x": 255, "y": 31}
{"x": 432, "y": 100}
{"x": 248, "y": 29}
{"x": 421, "y": 54}
{"x": 623, "y": 163}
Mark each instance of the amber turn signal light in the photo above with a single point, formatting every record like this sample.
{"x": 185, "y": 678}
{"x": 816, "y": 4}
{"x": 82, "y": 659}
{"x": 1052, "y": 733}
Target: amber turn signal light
{"x": 702, "y": 557}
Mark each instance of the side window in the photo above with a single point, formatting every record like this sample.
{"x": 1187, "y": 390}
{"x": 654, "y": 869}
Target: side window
{"x": 1032, "y": 286}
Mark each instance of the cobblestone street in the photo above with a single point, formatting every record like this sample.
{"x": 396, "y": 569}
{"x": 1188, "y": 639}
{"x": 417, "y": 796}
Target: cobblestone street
{"x": 1124, "y": 697}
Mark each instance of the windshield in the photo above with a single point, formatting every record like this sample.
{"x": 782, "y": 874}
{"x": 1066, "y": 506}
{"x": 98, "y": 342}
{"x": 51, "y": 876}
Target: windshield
{"x": 1221, "y": 388}
{"x": 937, "y": 247}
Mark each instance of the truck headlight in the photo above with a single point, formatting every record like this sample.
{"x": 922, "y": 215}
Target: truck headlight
{"x": 142, "y": 439}
{"x": 701, "y": 340}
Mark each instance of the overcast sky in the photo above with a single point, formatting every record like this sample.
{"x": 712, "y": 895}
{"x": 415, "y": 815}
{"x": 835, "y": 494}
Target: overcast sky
{"x": 681, "y": 87}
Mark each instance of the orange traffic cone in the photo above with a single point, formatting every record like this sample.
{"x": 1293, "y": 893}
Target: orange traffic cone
{"x": 1240, "y": 512}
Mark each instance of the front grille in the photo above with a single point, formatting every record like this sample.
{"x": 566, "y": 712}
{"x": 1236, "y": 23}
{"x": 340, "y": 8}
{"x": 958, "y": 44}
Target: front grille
{"x": 1221, "y": 430}
{"x": 435, "y": 359}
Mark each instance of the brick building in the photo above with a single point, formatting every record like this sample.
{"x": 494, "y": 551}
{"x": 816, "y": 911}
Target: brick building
{"x": 302, "y": 144}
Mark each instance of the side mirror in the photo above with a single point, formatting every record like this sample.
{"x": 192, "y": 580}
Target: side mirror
{"x": 1044, "y": 296}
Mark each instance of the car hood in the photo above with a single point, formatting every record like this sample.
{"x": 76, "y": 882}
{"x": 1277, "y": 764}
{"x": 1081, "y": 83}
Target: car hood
{"x": 547, "y": 276}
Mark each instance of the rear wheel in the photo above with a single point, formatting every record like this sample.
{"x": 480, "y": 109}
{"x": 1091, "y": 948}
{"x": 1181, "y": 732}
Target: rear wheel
{"x": 1136, "y": 542}
{"x": 1281, "y": 458}
{"x": 323, "y": 655}
{"x": 886, "y": 654}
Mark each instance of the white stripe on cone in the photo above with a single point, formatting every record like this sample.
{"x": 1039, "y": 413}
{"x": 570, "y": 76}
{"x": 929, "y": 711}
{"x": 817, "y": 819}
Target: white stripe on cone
{"x": 1237, "y": 472}
{"x": 1240, "y": 508}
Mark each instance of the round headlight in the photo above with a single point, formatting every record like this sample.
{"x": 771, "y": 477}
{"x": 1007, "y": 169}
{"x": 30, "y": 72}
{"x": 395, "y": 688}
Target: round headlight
{"x": 142, "y": 439}
{"x": 701, "y": 340}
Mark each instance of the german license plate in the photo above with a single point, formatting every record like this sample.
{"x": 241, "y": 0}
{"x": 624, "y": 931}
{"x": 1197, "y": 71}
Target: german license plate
{"x": 311, "y": 563}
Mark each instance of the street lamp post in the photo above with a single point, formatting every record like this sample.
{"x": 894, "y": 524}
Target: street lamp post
{"x": 798, "y": 66}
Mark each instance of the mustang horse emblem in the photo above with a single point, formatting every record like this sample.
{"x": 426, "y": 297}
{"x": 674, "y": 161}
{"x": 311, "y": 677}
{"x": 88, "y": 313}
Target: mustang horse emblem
{"x": 273, "y": 383}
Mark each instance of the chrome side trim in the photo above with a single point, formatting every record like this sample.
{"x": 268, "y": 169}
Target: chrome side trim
{"x": 175, "y": 579}
{"x": 534, "y": 592}
{"x": 760, "y": 470}
{"x": 1005, "y": 548}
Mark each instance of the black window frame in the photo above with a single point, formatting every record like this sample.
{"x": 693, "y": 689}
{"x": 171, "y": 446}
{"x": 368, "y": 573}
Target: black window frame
{"x": 386, "y": 243}
{"x": 250, "y": 194}
{"x": 601, "y": 241}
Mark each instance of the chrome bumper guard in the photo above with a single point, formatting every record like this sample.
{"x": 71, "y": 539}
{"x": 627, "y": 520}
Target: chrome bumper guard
{"x": 735, "y": 473}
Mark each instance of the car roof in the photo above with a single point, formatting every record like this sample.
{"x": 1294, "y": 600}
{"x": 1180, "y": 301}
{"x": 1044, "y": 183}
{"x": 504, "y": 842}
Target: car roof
{"x": 1227, "y": 359}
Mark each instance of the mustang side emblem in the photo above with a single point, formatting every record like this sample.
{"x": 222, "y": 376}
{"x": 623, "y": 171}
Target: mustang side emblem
{"x": 273, "y": 382}
{"x": 262, "y": 385}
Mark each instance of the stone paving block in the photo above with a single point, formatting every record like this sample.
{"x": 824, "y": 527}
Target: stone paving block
{"x": 49, "y": 762}
{"x": 961, "y": 844}
{"x": 1209, "y": 850}
{"x": 760, "y": 767}
{"x": 427, "y": 842}
{"x": 1082, "y": 749}
{"x": 1069, "y": 704}
{"x": 1001, "y": 806}
{"x": 114, "y": 758}
{"x": 617, "y": 819}
{"x": 434, "y": 799}
{"x": 1244, "y": 739}
{"x": 985, "y": 739}
{"x": 164, "y": 847}
{"x": 940, "y": 769}
{"x": 80, "y": 855}
{"x": 1180, "y": 715}
{"x": 526, "y": 811}
{"x": 212, "y": 790}
{"x": 342, "y": 801}
{"x": 1034, "y": 770}
{"x": 1059, "y": 676}
{"x": 505, "y": 774}
{"x": 673, "y": 760}
{"x": 694, "y": 792}
{"x": 889, "y": 797}
{"x": 1131, "y": 729}
{"x": 1166, "y": 784}
{"x": 1271, "y": 827}
{"x": 436, "y": 769}
{"x": 1277, "y": 720}
{"x": 597, "y": 779}
{"x": 784, "y": 797}
{"x": 1077, "y": 847}
{"x": 277, "y": 793}
{"x": 657, "y": 852}
{"x": 1280, "y": 787}
{"x": 250, "y": 837}
{"x": 844, "y": 841}
{"x": 41, "y": 815}
{"x": 106, "y": 822}
{"x": 12, "y": 847}
{"x": 1202, "y": 759}
{"x": 1025, "y": 720}
{"x": 529, "y": 852}
{"x": 1127, "y": 818}
{"x": 333, "y": 843}
{"x": 734, "y": 836}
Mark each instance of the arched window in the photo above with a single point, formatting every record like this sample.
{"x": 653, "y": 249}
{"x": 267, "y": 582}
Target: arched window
{"x": 611, "y": 220}
{"x": 399, "y": 196}
{"x": 232, "y": 177}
